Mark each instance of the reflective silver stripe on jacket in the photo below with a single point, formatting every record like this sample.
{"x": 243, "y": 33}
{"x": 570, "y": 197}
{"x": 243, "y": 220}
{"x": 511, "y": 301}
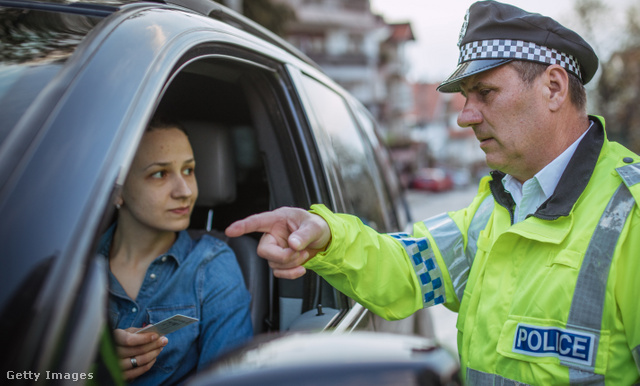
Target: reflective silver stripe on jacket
{"x": 451, "y": 243}
{"x": 636, "y": 356}
{"x": 478, "y": 378}
{"x": 478, "y": 224}
{"x": 425, "y": 266}
{"x": 587, "y": 305}
{"x": 630, "y": 174}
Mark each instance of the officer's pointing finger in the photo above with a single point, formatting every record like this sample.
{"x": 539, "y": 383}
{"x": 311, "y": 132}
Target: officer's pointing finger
{"x": 256, "y": 223}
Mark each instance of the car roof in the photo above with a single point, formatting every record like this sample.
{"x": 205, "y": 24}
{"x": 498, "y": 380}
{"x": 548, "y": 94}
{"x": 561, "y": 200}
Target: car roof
{"x": 209, "y": 8}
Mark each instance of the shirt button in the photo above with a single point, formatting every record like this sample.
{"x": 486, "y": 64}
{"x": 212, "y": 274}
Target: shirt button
{"x": 134, "y": 309}
{"x": 164, "y": 258}
{"x": 153, "y": 276}
{"x": 627, "y": 160}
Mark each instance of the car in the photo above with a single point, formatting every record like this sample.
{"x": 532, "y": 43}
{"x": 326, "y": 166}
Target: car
{"x": 432, "y": 180}
{"x": 79, "y": 81}
{"x": 359, "y": 358}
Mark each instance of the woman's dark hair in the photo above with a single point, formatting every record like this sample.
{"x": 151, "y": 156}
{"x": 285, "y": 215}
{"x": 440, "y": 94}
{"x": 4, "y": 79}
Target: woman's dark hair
{"x": 159, "y": 122}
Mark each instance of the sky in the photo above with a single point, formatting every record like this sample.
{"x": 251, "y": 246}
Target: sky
{"x": 436, "y": 26}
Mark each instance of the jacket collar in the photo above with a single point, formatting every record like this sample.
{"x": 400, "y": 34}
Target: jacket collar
{"x": 572, "y": 183}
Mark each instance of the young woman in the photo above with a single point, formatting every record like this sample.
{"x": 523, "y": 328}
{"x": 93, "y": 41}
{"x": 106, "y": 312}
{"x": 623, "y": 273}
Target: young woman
{"x": 158, "y": 271}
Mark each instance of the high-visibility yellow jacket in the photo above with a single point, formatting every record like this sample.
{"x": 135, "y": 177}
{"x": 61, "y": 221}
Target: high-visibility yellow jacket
{"x": 554, "y": 299}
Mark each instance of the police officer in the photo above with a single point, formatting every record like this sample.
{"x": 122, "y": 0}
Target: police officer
{"x": 543, "y": 266}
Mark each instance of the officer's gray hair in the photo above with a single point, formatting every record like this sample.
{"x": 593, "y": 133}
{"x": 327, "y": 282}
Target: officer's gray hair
{"x": 529, "y": 71}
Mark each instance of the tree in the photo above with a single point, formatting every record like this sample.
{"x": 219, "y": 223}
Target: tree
{"x": 39, "y": 36}
{"x": 618, "y": 89}
{"x": 615, "y": 92}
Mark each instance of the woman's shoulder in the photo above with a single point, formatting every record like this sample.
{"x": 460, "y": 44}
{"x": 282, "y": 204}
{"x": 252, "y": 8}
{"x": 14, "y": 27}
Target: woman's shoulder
{"x": 210, "y": 243}
{"x": 215, "y": 259}
{"x": 211, "y": 251}
{"x": 210, "y": 239}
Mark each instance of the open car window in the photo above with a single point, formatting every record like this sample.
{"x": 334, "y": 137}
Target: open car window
{"x": 251, "y": 156}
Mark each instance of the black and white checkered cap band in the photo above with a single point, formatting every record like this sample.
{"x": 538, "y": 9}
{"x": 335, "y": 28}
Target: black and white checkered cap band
{"x": 517, "y": 49}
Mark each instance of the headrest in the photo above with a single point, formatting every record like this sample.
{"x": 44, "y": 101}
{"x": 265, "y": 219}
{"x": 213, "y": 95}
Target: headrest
{"x": 215, "y": 162}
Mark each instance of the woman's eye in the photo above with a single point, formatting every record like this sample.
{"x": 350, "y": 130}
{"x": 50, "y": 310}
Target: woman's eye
{"x": 158, "y": 174}
{"x": 188, "y": 171}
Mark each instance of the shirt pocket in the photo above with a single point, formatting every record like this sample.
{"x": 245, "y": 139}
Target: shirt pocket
{"x": 181, "y": 342}
{"x": 552, "y": 347}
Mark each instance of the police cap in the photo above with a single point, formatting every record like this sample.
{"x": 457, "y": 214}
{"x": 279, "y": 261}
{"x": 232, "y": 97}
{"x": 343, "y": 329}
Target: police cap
{"x": 494, "y": 33}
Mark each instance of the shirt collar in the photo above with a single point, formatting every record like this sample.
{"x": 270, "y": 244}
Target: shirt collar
{"x": 178, "y": 251}
{"x": 573, "y": 181}
{"x": 549, "y": 176}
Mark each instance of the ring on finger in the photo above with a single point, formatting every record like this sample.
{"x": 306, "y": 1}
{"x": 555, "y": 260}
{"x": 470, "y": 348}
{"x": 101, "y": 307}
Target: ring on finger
{"x": 134, "y": 362}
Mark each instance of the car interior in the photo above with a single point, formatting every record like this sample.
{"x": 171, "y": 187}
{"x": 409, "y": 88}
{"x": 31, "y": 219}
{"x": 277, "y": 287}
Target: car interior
{"x": 245, "y": 165}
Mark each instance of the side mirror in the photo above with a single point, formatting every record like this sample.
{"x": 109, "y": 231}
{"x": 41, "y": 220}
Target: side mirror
{"x": 358, "y": 358}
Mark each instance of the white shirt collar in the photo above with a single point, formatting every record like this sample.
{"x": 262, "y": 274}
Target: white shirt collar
{"x": 547, "y": 179}
{"x": 550, "y": 175}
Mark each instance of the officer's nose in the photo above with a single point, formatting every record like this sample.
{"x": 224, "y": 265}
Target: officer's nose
{"x": 470, "y": 115}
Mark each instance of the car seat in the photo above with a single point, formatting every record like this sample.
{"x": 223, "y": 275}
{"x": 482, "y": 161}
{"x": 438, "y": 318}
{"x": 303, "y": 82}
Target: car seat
{"x": 216, "y": 175}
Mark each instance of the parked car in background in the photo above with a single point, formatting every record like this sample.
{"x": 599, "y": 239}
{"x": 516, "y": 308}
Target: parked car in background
{"x": 79, "y": 82}
{"x": 432, "y": 180}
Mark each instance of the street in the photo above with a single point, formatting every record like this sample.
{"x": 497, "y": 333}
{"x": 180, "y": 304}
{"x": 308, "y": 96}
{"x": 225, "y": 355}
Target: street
{"x": 424, "y": 205}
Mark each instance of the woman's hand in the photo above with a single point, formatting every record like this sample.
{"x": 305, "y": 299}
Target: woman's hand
{"x": 137, "y": 352}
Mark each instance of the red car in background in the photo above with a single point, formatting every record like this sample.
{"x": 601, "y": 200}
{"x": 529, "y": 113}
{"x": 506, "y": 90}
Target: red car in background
{"x": 432, "y": 180}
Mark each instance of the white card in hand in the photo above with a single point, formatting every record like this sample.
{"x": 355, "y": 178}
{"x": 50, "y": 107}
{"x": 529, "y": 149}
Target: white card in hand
{"x": 168, "y": 325}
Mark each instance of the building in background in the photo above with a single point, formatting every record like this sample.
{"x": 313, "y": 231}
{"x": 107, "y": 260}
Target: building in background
{"x": 393, "y": 68}
{"x": 366, "y": 55}
{"x": 447, "y": 145}
{"x": 361, "y": 52}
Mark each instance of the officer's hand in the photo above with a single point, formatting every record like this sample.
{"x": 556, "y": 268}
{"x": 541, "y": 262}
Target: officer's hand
{"x": 291, "y": 237}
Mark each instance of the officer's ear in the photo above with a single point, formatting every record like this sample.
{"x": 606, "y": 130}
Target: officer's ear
{"x": 556, "y": 81}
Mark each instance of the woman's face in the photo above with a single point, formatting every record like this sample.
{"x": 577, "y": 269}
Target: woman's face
{"x": 160, "y": 190}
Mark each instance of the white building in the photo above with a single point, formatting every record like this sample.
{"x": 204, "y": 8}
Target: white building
{"x": 360, "y": 51}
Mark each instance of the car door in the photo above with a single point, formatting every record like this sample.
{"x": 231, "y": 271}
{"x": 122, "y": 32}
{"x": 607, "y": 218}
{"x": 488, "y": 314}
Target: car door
{"x": 71, "y": 149}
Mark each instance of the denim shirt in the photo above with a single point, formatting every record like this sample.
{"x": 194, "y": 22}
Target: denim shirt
{"x": 200, "y": 279}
